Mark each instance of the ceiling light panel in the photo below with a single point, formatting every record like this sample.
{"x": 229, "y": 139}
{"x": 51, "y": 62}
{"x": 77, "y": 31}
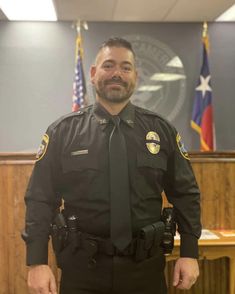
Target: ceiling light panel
{"x": 228, "y": 15}
{"x": 29, "y": 10}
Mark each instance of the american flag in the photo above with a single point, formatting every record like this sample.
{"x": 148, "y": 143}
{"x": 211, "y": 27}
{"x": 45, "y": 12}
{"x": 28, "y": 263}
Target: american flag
{"x": 202, "y": 116}
{"x": 79, "y": 84}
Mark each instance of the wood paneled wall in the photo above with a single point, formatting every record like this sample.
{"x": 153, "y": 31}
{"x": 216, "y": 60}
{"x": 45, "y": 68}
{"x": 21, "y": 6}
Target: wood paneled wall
{"x": 215, "y": 173}
{"x": 216, "y": 178}
{"x": 15, "y": 171}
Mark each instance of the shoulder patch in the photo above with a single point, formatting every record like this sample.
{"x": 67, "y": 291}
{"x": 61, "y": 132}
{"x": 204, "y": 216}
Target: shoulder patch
{"x": 181, "y": 147}
{"x": 43, "y": 147}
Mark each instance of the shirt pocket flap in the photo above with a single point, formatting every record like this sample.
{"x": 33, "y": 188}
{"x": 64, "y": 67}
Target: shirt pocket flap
{"x": 80, "y": 162}
{"x": 156, "y": 162}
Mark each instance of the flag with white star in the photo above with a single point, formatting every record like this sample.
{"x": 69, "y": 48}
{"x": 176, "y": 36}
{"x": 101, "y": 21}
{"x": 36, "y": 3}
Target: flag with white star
{"x": 202, "y": 116}
{"x": 79, "y": 84}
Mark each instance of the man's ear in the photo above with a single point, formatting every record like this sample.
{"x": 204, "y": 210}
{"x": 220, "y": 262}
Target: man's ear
{"x": 137, "y": 78}
{"x": 92, "y": 73}
{"x": 137, "y": 74}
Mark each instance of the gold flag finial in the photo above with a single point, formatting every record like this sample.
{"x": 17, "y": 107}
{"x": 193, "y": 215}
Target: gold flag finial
{"x": 78, "y": 27}
{"x": 205, "y": 37}
{"x": 205, "y": 29}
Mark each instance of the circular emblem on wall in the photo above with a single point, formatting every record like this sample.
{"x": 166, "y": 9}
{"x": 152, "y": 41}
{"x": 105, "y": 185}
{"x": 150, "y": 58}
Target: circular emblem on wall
{"x": 162, "y": 81}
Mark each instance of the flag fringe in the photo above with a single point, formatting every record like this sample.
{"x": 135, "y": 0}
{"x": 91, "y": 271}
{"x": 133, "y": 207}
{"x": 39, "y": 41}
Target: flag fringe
{"x": 197, "y": 128}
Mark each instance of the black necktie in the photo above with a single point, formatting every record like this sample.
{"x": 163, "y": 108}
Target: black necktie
{"x": 121, "y": 232}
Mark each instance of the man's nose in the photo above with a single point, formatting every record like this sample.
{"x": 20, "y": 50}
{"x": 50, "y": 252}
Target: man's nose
{"x": 117, "y": 71}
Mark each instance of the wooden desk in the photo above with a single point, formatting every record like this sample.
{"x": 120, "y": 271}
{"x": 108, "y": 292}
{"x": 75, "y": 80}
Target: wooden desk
{"x": 213, "y": 249}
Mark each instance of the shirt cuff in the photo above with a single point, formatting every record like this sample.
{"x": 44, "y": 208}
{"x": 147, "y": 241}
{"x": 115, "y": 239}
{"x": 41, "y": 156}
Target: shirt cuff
{"x": 188, "y": 246}
{"x": 37, "y": 253}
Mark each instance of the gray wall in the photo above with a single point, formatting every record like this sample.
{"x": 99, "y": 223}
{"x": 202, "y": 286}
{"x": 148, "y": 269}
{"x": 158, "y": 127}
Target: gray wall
{"x": 37, "y": 67}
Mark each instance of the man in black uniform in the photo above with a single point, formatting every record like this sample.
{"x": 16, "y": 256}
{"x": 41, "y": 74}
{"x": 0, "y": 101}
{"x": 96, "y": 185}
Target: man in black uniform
{"x": 75, "y": 162}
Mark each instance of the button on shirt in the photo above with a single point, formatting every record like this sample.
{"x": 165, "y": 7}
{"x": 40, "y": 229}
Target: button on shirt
{"x": 75, "y": 167}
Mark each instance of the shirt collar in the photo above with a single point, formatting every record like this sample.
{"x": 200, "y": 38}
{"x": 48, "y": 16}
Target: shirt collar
{"x": 101, "y": 114}
{"x": 128, "y": 114}
{"x": 103, "y": 117}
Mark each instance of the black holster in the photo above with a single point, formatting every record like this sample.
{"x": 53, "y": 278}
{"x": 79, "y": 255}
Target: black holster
{"x": 59, "y": 233}
{"x": 168, "y": 217}
{"x": 149, "y": 240}
{"x": 64, "y": 233}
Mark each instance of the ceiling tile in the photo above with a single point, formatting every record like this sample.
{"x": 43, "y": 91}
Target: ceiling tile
{"x": 199, "y": 10}
{"x": 93, "y": 10}
{"x": 139, "y": 10}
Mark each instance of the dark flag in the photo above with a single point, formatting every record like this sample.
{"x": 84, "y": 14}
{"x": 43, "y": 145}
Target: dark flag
{"x": 202, "y": 117}
{"x": 79, "y": 84}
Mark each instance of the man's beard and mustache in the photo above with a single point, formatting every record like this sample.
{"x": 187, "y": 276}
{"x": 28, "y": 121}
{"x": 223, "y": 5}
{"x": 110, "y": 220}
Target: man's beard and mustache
{"x": 115, "y": 95}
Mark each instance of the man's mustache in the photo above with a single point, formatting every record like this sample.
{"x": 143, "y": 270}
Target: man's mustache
{"x": 118, "y": 81}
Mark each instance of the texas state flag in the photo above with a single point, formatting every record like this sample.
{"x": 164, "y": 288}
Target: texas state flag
{"x": 202, "y": 117}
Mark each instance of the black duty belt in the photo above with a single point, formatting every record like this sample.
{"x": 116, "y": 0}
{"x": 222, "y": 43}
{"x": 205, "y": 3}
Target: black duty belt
{"x": 90, "y": 242}
{"x": 147, "y": 244}
{"x": 65, "y": 231}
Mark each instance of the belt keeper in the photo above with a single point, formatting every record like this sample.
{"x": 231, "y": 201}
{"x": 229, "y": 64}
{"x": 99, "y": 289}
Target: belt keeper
{"x": 155, "y": 247}
{"x": 91, "y": 247}
{"x": 140, "y": 253}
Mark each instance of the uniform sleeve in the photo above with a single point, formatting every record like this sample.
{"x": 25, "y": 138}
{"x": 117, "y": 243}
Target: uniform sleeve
{"x": 182, "y": 191}
{"x": 41, "y": 199}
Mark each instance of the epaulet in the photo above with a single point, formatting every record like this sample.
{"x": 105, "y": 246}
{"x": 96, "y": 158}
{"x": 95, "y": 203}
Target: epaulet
{"x": 148, "y": 112}
{"x": 78, "y": 113}
{"x": 154, "y": 114}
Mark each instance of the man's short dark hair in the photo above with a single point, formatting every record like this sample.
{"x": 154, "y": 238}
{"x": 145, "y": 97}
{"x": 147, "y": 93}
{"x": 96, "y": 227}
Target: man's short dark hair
{"x": 118, "y": 42}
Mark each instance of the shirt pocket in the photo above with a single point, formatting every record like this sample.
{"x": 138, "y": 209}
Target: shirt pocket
{"x": 81, "y": 176}
{"x": 150, "y": 173}
{"x": 151, "y": 161}
{"x": 80, "y": 163}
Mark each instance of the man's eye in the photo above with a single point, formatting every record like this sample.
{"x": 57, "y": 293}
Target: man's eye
{"x": 107, "y": 66}
{"x": 127, "y": 68}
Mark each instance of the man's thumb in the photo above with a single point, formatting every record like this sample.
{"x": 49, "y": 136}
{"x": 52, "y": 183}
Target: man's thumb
{"x": 176, "y": 277}
{"x": 53, "y": 289}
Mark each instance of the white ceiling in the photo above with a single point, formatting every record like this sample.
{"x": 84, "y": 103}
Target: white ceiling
{"x": 140, "y": 10}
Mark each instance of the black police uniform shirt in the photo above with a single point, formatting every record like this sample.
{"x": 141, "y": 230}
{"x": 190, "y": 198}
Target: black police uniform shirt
{"x": 72, "y": 164}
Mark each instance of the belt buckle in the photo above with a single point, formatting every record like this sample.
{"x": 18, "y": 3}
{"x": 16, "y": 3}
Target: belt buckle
{"x": 128, "y": 251}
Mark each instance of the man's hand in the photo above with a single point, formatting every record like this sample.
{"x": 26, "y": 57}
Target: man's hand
{"x": 41, "y": 280}
{"x": 186, "y": 272}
